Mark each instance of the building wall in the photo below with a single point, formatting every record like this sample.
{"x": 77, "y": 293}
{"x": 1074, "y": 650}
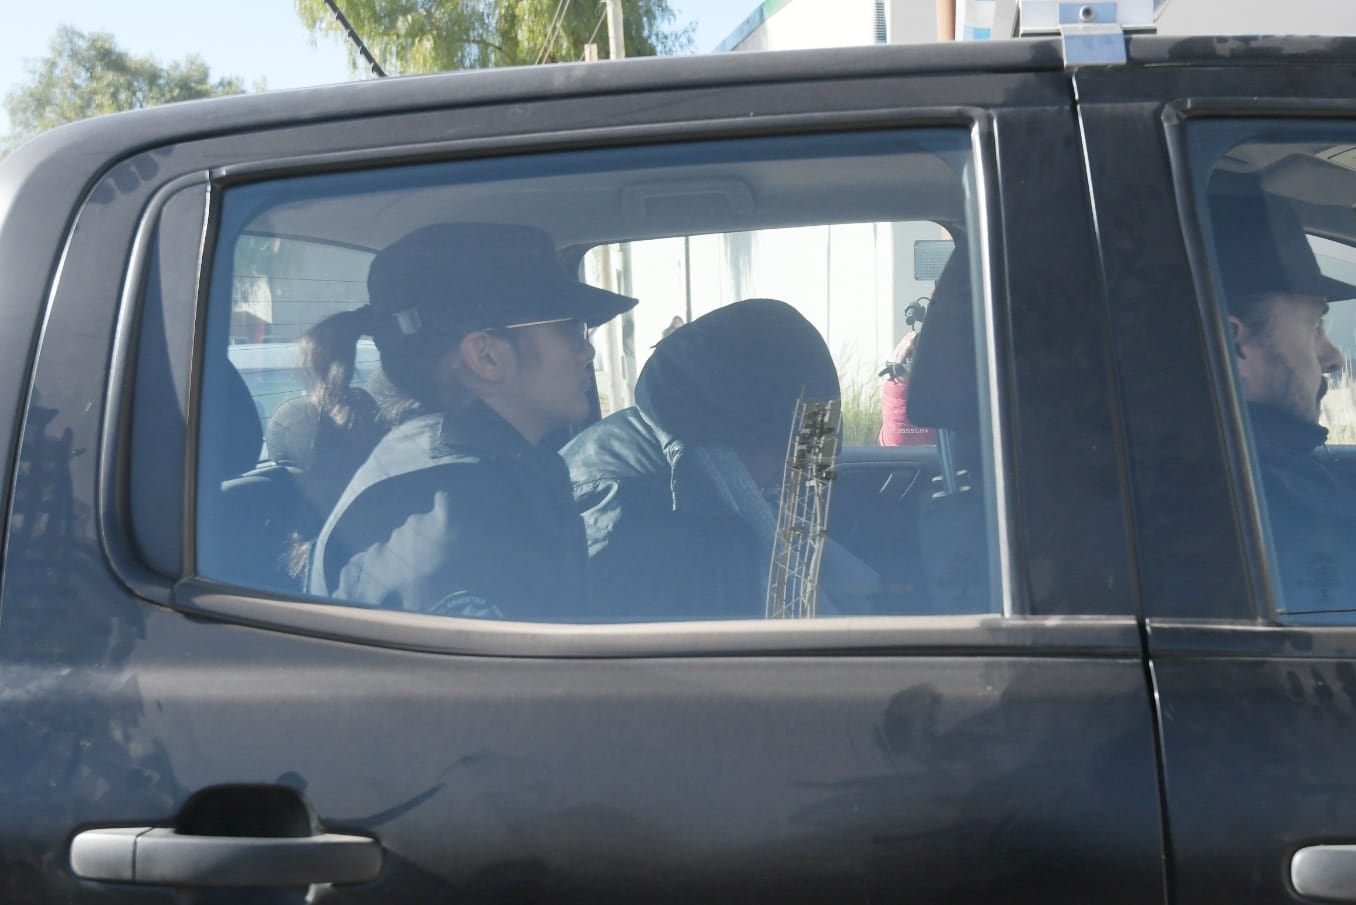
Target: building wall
{"x": 1258, "y": 17}
{"x": 852, "y": 281}
{"x": 801, "y": 24}
{"x": 911, "y": 21}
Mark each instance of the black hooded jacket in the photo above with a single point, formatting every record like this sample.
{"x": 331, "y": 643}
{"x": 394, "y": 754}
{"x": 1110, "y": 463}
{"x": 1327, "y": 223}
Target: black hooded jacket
{"x": 1312, "y": 513}
{"x": 663, "y": 542}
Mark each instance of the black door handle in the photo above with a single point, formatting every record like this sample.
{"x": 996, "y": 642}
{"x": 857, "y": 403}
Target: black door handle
{"x": 1325, "y": 872}
{"x": 161, "y": 856}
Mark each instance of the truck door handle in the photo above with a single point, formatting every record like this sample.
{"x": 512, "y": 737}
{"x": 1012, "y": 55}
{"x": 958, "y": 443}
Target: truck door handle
{"x": 159, "y": 855}
{"x": 1325, "y": 872}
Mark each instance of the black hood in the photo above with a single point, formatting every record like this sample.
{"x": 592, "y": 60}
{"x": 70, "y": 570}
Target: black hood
{"x": 733, "y": 377}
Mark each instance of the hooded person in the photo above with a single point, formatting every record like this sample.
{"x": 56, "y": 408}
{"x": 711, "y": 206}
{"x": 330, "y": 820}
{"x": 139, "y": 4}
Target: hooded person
{"x": 678, "y": 492}
{"x": 461, "y": 509}
{"x": 1276, "y": 299}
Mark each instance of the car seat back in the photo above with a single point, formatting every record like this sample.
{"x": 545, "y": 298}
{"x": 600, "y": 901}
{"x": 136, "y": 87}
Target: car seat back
{"x": 944, "y": 393}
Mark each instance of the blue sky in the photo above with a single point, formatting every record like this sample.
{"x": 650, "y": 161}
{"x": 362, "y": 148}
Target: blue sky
{"x": 257, "y": 40}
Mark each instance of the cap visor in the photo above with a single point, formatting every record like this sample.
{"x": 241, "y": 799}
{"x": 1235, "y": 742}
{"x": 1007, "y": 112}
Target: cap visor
{"x": 595, "y": 306}
{"x": 1334, "y": 290}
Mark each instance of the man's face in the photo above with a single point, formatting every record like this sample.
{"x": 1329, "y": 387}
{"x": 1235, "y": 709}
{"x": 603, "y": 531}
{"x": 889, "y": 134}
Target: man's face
{"x": 553, "y": 374}
{"x": 1283, "y": 362}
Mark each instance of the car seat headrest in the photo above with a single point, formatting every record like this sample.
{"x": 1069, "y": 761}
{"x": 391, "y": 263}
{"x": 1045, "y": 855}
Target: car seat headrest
{"x": 944, "y": 381}
{"x": 734, "y": 375}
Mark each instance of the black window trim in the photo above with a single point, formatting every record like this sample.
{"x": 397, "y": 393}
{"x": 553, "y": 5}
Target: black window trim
{"x": 116, "y": 534}
{"x": 1111, "y": 637}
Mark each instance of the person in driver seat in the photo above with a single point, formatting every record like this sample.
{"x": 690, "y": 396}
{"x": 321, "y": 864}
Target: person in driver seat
{"x": 460, "y": 510}
{"x": 1276, "y": 299}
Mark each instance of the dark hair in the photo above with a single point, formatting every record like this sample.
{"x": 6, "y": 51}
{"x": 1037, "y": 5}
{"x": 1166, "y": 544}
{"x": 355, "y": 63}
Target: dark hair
{"x": 393, "y": 404}
{"x": 1253, "y": 310}
{"x": 411, "y": 381}
{"x": 328, "y": 352}
{"x": 404, "y": 385}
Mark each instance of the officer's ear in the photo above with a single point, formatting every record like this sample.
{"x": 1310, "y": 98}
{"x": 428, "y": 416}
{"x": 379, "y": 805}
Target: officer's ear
{"x": 484, "y": 355}
{"x": 1239, "y": 336}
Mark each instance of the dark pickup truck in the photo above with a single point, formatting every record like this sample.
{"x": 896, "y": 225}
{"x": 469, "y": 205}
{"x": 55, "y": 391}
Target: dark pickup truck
{"x": 1084, "y": 667}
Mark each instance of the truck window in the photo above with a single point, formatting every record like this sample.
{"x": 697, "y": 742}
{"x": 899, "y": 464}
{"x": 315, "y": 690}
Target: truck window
{"x": 1275, "y": 202}
{"x": 482, "y": 422}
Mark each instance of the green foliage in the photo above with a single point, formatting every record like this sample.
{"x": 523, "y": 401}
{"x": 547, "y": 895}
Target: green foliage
{"x": 408, "y": 36}
{"x": 85, "y": 75}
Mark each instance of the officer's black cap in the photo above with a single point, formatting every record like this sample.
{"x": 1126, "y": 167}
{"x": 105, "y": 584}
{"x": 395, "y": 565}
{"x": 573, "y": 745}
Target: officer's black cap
{"x": 1260, "y": 246}
{"x": 452, "y": 278}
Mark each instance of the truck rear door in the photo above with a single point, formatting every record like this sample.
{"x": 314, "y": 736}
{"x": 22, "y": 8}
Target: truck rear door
{"x": 981, "y": 732}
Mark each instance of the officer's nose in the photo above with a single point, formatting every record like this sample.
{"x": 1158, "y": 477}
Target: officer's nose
{"x": 1330, "y": 358}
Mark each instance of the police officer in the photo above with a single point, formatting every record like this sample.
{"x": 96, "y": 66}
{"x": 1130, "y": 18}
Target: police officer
{"x": 1277, "y": 299}
{"x": 461, "y": 509}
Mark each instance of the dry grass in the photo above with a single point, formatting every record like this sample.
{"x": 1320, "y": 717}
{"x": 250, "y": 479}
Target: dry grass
{"x": 1339, "y": 409}
{"x": 861, "y": 401}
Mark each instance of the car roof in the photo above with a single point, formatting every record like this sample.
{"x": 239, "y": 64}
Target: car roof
{"x": 200, "y": 118}
{"x": 56, "y": 168}
{"x": 139, "y": 129}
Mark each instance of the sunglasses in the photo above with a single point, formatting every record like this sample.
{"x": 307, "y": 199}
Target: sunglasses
{"x": 572, "y": 328}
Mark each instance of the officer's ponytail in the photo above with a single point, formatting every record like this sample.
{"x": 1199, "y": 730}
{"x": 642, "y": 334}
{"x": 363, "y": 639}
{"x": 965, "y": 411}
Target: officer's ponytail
{"x": 328, "y": 355}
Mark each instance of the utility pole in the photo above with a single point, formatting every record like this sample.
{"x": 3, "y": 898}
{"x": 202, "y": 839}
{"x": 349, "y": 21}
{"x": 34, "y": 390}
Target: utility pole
{"x": 946, "y": 19}
{"x": 615, "y": 39}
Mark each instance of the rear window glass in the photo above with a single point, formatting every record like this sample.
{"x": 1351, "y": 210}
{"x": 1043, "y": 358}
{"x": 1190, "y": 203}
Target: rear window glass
{"x": 670, "y": 383}
{"x": 1275, "y": 201}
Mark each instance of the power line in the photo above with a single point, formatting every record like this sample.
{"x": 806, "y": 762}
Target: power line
{"x": 553, "y": 31}
{"x": 356, "y": 39}
{"x": 599, "y": 27}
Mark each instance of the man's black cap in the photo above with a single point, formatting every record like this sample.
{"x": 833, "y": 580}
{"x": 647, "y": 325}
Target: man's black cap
{"x": 452, "y": 278}
{"x": 1260, "y": 246}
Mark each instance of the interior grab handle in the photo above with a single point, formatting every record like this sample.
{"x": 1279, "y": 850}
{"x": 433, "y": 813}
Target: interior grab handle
{"x": 161, "y": 856}
{"x": 1325, "y": 872}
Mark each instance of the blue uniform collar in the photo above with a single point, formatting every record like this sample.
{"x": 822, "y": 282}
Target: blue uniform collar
{"x": 1274, "y": 427}
{"x": 480, "y": 428}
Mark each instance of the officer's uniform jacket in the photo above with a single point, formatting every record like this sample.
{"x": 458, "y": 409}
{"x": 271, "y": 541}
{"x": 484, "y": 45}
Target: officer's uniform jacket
{"x": 1312, "y": 512}
{"x": 457, "y": 514}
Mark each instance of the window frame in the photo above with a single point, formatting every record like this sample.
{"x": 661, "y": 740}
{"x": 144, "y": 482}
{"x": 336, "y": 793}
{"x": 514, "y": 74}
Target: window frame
{"x": 131, "y": 551}
{"x": 194, "y": 595}
{"x": 1244, "y": 475}
{"x": 973, "y": 127}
